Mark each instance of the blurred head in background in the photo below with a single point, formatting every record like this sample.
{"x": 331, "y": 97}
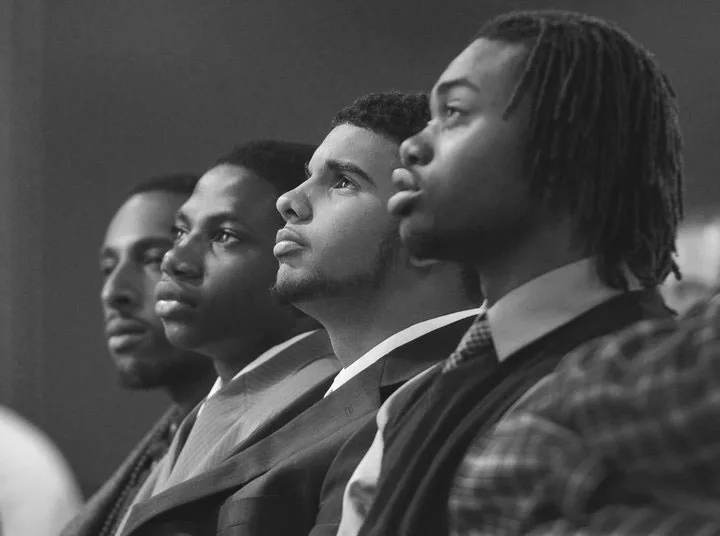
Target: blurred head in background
{"x": 698, "y": 248}
{"x": 136, "y": 240}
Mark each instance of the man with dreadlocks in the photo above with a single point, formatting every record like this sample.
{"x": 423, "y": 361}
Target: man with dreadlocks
{"x": 552, "y": 163}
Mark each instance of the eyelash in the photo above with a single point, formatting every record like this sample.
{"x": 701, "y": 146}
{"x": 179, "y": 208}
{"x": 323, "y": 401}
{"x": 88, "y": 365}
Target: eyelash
{"x": 450, "y": 114}
{"x": 177, "y": 233}
{"x": 232, "y": 236}
{"x": 342, "y": 179}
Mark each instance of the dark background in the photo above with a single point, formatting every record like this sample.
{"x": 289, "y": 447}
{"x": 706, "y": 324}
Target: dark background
{"x": 135, "y": 88}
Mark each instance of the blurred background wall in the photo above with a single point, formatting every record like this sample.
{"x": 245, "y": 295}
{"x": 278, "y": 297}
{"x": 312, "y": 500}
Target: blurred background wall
{"x": 98, "y": 94}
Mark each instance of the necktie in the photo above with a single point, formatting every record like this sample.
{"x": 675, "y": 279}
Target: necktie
{"x": 477, "y": 342}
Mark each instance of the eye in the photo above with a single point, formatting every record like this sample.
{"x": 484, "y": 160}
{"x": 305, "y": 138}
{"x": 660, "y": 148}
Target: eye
{"x": 177, "y": 233}
{"x": 106, "y": 268}
{"x": 450, "y": 112}
{"x": 343, "y": 183}
{"x": 224, "y": 236}
{"x": 154, "y": 257}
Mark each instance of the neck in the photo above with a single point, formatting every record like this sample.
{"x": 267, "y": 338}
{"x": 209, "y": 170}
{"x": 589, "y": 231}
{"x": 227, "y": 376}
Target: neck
{"x": 230, "y": 357}
{"x": 357, "y": 324}
{"x": 188, "y": 394}
{"x": 543, "y": 252}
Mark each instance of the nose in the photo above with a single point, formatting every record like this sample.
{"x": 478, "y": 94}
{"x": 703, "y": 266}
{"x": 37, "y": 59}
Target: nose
{"x": 120, "y": 291}
{"x": 416, "y": 150}
{"x": 294, "y": 206}
{"x": 183, "y": 262}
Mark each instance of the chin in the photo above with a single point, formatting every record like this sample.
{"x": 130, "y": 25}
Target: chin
{"x": 132, "y": 374}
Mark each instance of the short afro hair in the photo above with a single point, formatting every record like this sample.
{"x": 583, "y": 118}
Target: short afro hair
{"x": 174, "y": 183}
{"x": 395, "y": 115}
{"x": 281, "y": 163}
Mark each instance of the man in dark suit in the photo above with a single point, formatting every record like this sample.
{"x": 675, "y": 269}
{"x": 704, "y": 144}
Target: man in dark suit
{"x": 136, "y": 240}
{"x": 552, "y": 163}
{"x": 214, "y": 299}
{"x": 389, "y": 316}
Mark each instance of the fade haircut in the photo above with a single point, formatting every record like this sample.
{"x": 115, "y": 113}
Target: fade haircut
{"x": 175, "y": 183}
{"x": 281, "y": 163}
{"x": 604, "y": 140}
{"x": 395, "y": 115}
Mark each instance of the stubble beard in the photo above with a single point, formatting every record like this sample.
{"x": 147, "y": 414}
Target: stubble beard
{"x": 320, "y": 285}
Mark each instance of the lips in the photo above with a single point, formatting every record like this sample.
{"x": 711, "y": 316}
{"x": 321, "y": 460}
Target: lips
{"x": 124, "y": 326}
{"x": 123, "y": 334}
{"x": 172, "y": 300}
{"x": 287, "y": 241}
{"x": 402, "y": 203}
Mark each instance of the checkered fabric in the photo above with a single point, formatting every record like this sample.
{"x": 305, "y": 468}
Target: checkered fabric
{"x": 623, "y": 439}
{"x": 477, "y": 341}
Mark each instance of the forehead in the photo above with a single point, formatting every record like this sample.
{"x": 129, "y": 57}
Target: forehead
{"x": 493, "y": 66}
{"x": 375, "y": 154}
{"x": 232, "y": 189}
{"x": 144, "y": 215}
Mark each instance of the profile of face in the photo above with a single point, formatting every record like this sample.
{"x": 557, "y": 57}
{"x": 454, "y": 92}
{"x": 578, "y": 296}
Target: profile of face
{"x": 463, "y": 190}
{"x": 339, "y": 239}
{"x": 135, "y": 242}
{"x": 215, "y": 289}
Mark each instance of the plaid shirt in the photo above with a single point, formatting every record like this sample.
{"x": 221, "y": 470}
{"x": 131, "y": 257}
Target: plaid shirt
{"x": 623, "y": 439}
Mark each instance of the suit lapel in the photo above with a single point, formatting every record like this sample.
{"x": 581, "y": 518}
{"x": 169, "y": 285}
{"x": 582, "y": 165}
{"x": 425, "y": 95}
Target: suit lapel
{"x": 360, "y": 396}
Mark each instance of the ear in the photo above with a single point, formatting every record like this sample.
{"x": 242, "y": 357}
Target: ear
{"x": 422, "y": 263}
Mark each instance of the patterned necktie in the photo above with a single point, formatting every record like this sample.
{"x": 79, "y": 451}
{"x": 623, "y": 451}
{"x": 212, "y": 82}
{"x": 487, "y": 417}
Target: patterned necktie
{"x": 477, "y": 342}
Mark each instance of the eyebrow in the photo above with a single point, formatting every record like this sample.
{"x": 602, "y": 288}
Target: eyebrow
{"x": 347, "y": 167}
{"x": 444, "y": 87}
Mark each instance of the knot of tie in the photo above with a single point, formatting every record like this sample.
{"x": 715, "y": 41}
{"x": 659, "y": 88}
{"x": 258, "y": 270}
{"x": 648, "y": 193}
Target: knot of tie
{"x": 476, "y": 342}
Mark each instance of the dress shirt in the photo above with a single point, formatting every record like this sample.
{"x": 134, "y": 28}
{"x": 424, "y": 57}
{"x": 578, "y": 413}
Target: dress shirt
{"x": 38, "y": 494}
{"x": 621, "y": 439}
{"x": 516, "y": 320}
{"x": 396, "y": 340}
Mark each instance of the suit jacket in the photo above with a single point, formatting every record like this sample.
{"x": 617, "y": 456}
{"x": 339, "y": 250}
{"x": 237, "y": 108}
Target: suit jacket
{"x": 278, "y": 483}
{"x": 107, "y": 502}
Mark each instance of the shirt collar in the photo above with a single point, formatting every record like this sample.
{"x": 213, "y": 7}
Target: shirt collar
{"x": 545, "y": 303}
{"x": 396, "y": 340}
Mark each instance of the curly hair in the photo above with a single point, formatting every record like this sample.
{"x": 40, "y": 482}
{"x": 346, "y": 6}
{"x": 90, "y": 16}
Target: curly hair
{"x": 604, "y": 138}
{"x": 394, "y": 115}
{"x": 281, "y": 163}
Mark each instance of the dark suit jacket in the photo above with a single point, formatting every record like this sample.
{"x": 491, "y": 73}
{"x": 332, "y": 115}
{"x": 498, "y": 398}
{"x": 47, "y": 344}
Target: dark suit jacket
{"x": 91, "y": 519}
{"x": 279, "y": 484}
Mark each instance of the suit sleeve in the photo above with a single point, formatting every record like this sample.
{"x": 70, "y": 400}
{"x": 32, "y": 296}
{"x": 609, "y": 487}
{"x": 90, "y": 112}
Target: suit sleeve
{"x": 338, "y": 476}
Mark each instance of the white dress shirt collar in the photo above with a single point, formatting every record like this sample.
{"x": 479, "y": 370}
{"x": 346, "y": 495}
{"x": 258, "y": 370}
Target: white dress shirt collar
{"x": 396, "y": 340}
{"x": 547, "y": 302}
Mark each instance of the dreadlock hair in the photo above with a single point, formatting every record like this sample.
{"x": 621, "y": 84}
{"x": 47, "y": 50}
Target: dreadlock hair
{"x": 604, "y": 140}
{"x": 174, "y": 183}
{"x": 395, "y": 115}
{"x": 281, "y": 163}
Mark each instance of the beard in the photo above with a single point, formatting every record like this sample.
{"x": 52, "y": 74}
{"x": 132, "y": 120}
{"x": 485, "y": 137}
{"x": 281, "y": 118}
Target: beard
{"x": 319, "y": 285}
